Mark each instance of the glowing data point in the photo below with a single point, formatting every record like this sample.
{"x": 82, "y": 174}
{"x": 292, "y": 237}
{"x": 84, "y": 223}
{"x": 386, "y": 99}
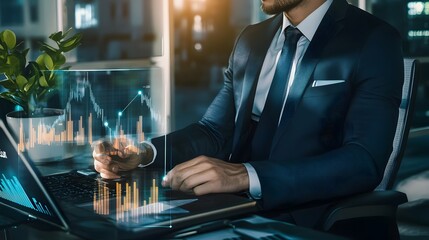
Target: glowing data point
{"x": 119, "y": 114}
{"x": 140, "y": 92}
{"x": 106, "y": 124}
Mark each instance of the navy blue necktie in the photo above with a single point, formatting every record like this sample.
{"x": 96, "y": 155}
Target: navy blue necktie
{"x": 268, "y": 122}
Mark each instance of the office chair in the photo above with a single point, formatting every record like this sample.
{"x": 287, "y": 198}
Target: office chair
{"x": 373, "y": 215}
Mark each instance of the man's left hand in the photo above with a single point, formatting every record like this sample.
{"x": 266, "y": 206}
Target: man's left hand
{"x": 203, "y": 175}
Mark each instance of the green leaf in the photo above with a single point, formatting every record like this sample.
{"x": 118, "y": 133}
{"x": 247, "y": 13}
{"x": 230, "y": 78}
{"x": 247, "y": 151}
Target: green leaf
{"x": 32, "y": 80}
{"x": 32, "y": 70}
{"x": 8, "y": 84}
{"x": 60, "y": 60}
{"x": 29, "y": 84}
{"x": 12, "y": 98}
{"x": 20, "y": 56}
{"x": 15, "y": 65}
{"x": 40, "y": 61}
{"x": 56, "y": 36}
{"x": 48, "y": 62}
{"x": 48, "y": 49}
{"x": 12, "y": 60}
{"x": 68, "y": 42}
{"x": 51, "y": 78}
{"x": 43, "y": 82}
{"x": 21, "y": 81}
{"x": 71, "y": 43}
{"x": 9, "y": 38}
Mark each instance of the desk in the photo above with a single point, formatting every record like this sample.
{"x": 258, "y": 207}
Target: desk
{"x": 38, "y": 231}
{"x": 279, "y": 230}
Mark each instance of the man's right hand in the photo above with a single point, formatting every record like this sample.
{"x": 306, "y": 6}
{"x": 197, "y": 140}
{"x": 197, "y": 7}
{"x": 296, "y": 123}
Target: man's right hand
{"x": 111, "y": 158}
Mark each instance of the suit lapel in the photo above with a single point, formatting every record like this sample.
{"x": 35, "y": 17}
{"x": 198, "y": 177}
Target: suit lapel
{"x": 260, "y": 42}
{"x": 328, "y": 28}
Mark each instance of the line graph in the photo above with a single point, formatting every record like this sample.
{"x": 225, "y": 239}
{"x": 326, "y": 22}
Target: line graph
{"x": 96, "y": 104}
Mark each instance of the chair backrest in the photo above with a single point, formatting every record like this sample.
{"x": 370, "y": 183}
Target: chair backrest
{"x": 406, "y": 110}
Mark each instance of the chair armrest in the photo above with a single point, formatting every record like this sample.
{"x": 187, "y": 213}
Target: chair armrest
{"x": 373, "y": 204}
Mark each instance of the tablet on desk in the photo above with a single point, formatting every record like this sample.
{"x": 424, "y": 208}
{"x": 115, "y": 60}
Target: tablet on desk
{"x": 132, "y": 207}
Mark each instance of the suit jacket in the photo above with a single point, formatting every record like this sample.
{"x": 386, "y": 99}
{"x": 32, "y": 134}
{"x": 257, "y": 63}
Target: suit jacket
{"x": 336, "y": 137}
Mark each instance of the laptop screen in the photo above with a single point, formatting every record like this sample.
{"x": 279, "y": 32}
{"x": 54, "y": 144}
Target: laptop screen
{"x": 20, "y": 188}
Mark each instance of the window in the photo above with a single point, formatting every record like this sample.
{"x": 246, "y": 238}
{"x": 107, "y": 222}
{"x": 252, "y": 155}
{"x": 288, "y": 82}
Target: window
{"x": 85, "y": 15}
{"x": 116, "y": 29}
{"x": 11, "y": 12}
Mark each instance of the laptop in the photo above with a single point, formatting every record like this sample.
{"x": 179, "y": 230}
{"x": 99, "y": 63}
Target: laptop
{"x": 131, "y": 207}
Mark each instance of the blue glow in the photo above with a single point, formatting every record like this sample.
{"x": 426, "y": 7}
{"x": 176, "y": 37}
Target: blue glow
{"x": 119, "y": 114}
{"x": 18, "y": 108}
{"x": 106, "y": 124}
{"x": 140, "y": 92}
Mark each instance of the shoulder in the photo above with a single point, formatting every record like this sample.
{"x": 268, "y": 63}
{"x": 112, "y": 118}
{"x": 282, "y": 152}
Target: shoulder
{"x": 369, "y": 25}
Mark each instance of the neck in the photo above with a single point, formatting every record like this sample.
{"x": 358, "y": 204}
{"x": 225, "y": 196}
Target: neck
{"x": 298, "y": 13}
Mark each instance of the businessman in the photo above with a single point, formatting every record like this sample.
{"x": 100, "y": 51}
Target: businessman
{"x": 307, "y": 112}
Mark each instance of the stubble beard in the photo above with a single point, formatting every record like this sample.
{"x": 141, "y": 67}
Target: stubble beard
{"x": 280, "y": 6}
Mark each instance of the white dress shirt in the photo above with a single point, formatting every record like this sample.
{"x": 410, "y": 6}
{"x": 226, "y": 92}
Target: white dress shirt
{"x": 308, "y": 28}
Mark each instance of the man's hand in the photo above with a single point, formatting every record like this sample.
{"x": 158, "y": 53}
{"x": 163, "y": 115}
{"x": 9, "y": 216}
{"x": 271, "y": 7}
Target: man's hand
{"x": 111, "y": 158}
{"x": 203, "y": 175}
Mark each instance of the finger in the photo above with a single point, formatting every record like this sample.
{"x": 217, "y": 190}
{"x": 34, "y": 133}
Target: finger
{"x": 100, "y": 167}
{"x": 192, "y": 162}
{"x": 193, "y": 181}
{"x": 99, "y": 147}
{"x": 131, "y": 150}
{"x": 101, "y": 157}
{"x": 120, "y": 143}
{"x": 178, "y": 177}
{"x": 128, "y": 164}
{"x": 166, "y": 180}
{"x": 206, "y": 188}
{"x": 169, "y": 178}
{"x": 127, "y": 151}
{"x": 109, "y": 176}
{"x": 106, "y": 171}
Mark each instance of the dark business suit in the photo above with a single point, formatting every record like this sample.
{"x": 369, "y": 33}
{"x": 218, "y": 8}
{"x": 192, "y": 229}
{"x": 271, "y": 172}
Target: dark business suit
{"x": 334, "y": 140}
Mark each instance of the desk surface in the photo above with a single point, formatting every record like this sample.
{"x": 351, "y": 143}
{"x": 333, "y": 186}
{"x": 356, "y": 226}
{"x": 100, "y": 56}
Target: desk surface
{"x": 269, "y": 231}
{"x": 32, "y": 231}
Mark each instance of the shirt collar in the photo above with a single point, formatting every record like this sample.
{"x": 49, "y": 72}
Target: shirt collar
{"x": 310, "y": 24}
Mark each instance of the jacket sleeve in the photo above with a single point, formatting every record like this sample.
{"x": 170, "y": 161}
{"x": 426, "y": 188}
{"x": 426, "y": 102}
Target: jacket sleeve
{"x": 211, "y": 136}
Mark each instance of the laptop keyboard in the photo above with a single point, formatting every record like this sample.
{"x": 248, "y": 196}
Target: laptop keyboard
{"x": 73, "y": 187}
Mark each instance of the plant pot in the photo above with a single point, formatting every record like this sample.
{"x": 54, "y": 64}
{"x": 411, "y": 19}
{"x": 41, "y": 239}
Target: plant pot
{"x": 42, "y": 137}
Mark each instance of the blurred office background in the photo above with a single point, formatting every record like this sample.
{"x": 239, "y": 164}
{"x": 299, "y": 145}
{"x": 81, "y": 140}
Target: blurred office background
{"x": 190, "y": 40}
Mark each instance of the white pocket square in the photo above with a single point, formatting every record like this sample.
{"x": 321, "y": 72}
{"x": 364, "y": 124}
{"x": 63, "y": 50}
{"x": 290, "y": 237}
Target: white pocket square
{"x": 319, "y": 83}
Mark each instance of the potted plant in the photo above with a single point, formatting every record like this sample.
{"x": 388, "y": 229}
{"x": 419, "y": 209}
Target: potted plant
{"x": 29, "y": 84}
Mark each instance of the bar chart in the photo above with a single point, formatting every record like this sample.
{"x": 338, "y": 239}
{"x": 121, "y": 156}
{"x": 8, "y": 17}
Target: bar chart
{"x": 12, "y": 190}
{"x": 92, "y": 111}
{"x": 128, "y": 202}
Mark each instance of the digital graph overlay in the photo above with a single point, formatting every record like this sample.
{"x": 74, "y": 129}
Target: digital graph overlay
{"x": 129, "y": 204}
{"x": 64, "y": 129}
{"x": 12, "y": 190}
